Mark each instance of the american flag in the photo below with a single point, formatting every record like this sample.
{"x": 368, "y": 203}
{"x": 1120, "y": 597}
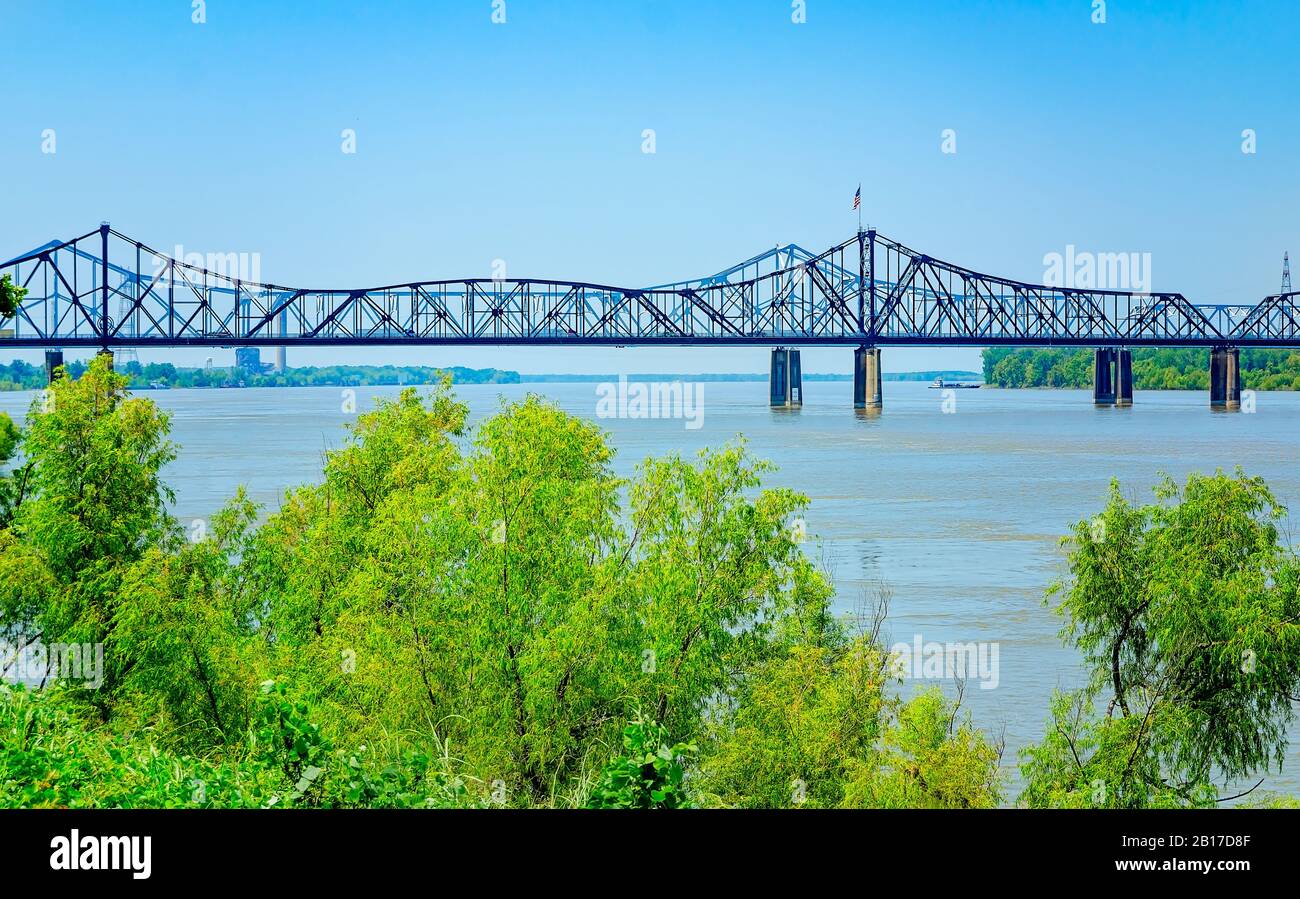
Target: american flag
{"x": 857, "y": 197}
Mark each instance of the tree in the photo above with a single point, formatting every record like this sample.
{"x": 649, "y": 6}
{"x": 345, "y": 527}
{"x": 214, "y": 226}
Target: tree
{"x": 447, "y": 618}
{"x": 13, "y": 484}
{"x": 190, "y": 657}
{"x": 497, "y": 594}
{"x": 800, "y": 726}
{"x": 11, "y": 295}
{"x": 95, "y": 503}
{"x": 1185, "y": 611}
{"x": 932, "y": 756}
{"x": 819, "y": 728}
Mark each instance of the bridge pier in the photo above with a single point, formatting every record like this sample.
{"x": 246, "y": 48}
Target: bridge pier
{"x": 1103, "y": 377}
{"x": 1112, "y": 377}
{"x": 867, "y": 392}
{"x": 53, "y": 359}
{"x": 1123, "y": 377}
{"x": 1225, "y": 378}
{"x": 785, "y": 386}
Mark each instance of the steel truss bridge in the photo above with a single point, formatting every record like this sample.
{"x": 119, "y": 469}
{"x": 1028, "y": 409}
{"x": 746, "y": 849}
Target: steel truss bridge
{"x": 104, "y": 289}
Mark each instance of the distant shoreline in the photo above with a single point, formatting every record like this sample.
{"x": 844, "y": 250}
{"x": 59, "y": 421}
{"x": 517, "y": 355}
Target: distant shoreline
{"x": 1153, "y": 368}
{"x": 745, "y": 376}
{"x": 20, "y": 375}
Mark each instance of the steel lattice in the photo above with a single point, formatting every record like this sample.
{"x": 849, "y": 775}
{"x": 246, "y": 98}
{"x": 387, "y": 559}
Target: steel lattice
{"x": 104, "y": 289}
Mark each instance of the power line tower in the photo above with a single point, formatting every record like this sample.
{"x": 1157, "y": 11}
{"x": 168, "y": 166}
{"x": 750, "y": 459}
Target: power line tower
{"x": 1286, "y": 272}
{"x": 123, "y": 357}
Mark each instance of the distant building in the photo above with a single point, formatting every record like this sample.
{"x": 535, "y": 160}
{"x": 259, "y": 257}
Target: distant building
{"x": 249, "y": 359}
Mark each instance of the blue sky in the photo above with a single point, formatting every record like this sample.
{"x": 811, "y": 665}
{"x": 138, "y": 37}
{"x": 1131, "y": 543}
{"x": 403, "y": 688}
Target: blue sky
{"x": 523, "y": 141}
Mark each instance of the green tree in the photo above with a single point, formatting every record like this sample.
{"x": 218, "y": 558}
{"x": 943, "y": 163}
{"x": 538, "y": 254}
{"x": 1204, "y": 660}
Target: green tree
{"x": 801, "y": 725}
{"x": 819, "y": 728}
{"x": 94, "y": 505}
{"x": 1185, "y": 612}
{"x": 1153, "y": 368}
{"x": 498, "y": 595}
{"x": 190, "y": 657}
{"x": 11, "y": 295}
{"x": 445, "y": 619}
{"x": 13, "y": 484}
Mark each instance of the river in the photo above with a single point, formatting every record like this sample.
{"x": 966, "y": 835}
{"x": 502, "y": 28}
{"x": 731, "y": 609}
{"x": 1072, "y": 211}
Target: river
{"x": 958, "y": 512}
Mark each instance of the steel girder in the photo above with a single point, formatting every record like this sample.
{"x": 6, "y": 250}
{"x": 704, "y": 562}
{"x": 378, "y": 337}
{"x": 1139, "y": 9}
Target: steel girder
{"x": 105, "y": 289}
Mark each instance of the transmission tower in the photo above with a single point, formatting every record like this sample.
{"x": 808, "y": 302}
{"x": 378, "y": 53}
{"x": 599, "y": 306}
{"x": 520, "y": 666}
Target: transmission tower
{"x": 1286, "y": 273}
{"x": 125, "y": 356}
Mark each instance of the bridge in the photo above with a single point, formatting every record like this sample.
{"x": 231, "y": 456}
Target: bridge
{"x": 106, "y": 290}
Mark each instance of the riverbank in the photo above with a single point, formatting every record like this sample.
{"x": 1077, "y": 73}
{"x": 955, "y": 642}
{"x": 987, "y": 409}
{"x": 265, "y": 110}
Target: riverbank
{"x": 1153, "y": 369}
{"x": 20, "y": 375}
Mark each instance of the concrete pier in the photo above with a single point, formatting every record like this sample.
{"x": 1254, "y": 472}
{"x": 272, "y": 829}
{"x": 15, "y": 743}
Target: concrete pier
{"x": 786, "y": 383}
{"x": 1123, "y": 377}
{"x": 1225, "y": 378}
{"x": 1103, "y": 377}
{"x": 53, "y": 359}
{"x": 867, "y": 392}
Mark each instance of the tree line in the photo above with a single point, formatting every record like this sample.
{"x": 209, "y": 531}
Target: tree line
{"x": 20, "y": 375}
{"x": 1153, "y": 369}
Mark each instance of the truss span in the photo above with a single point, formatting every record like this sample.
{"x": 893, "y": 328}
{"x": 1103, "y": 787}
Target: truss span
{"x": 104, "y": 289}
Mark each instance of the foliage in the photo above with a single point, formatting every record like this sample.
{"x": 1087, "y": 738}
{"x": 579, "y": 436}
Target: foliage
{"x": 492, "y": 593}
{"x": 801, "y": 723}
{"x": 500, "y": 595}
{"x": 311, "y": 772}
{"x": 54, "y": 753}
{"x": 1184, "y": 611}
{"x": 1271, "y": 800}
{"x": 12, "y": 483}
{"x": 456, "y": 618}
{"x": 1153, "y": 368}
{"x": 20, "y": 375}
{"x": 183, "y": 640}
{"x": 817, "y": 728}
{"x": 8, "y": 438}
{"x": 649, "y": 774}
{"x": 287, "y": 739}
{"x": 95, "y": 504}
{"x": 932, "y": 757}
{"x": 11, "y": 295}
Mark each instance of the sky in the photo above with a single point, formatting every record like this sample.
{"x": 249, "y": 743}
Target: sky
{"x": 523, "y": 141}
